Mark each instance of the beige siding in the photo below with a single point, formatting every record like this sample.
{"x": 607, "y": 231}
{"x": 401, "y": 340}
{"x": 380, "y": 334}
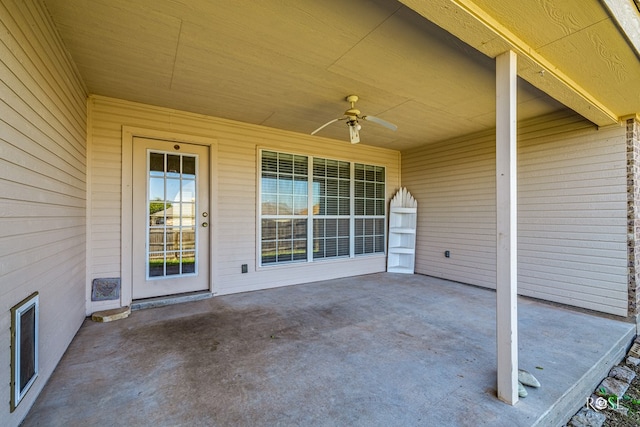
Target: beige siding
{"x": 42, "y": 188}
{"x": 571, "y": 211}
{"x": 454, "y": 185}
{"x": 234, "y": 199}
{"x": 573, "y": 219}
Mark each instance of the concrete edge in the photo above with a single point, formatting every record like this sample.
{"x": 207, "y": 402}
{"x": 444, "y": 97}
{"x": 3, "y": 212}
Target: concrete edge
{"x": 169, "y": 300}
{"x": 561, "y": 411}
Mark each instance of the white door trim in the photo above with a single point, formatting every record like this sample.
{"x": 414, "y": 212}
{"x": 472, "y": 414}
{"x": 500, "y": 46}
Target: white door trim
{"x": 126, "y": 216}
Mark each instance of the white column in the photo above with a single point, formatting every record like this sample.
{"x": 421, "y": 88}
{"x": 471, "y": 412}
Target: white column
{"x": 507, "y": 228}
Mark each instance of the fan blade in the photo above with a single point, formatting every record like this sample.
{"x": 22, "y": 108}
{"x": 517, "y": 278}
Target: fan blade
{"x": 327, "y": 124}
{"x": 381, "y": 122}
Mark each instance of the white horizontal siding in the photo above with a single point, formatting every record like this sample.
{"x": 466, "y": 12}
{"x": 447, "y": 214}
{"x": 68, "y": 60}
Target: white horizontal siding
{"x": 234, "y": 197}
{"x": 42, "y": 188}
{"x": 573, "y": 219}
{"x": 572, "y": 212}
{"x": 454, "y": 184}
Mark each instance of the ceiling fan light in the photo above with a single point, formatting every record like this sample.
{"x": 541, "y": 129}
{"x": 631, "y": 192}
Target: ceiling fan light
{"x": 351, "y": 117}
{"x": 354, "y": 135}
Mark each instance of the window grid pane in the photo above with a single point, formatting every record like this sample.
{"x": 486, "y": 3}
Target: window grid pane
{"x": 171, "y": 207}
{"x": 370, "y": 209}
{"x": 331, "y": 238}
{"x": 284, "y": 198}
{"x": 331, "y": 190}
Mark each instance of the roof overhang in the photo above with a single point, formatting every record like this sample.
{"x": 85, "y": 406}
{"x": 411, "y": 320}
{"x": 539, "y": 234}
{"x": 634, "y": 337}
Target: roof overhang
{"x": 475, "y": 26}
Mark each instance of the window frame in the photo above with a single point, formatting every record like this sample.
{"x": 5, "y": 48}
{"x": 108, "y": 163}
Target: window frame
{"x": 311, "y": 216}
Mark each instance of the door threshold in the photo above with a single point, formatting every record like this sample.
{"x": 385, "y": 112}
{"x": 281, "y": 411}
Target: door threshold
{"x": 162, "y": 301}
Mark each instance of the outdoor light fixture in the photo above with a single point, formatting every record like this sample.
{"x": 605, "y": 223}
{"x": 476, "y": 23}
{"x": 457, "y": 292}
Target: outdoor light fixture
{"x": 354, "y": 134}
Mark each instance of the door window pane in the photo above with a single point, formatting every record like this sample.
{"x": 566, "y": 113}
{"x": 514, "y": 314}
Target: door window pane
{"x": 156, "y": 164}
{"x": 188, "y": 262}
{"x": 156, "y": 264}
{"x": 173, "y": 165}
{"x": 172, "y": 207}
{"x": 188, "y": 167}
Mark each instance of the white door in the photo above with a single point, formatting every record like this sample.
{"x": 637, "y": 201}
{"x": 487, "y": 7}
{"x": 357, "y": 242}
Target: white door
{"x": 170, "y": 218}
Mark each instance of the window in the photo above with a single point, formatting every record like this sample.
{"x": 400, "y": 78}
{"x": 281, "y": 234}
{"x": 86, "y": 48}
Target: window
{"x": 331, "y": 208}
{"x": 314, "y": 208}
{"x": 284, "y": 204}
{"x": 370, "y": 206}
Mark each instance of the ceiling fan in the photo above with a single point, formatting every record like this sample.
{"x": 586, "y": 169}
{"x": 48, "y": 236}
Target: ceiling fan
{"x": 352, "y": 115}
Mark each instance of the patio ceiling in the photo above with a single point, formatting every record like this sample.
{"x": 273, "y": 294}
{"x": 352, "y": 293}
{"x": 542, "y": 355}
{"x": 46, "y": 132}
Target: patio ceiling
{"x": 289, "y": 64}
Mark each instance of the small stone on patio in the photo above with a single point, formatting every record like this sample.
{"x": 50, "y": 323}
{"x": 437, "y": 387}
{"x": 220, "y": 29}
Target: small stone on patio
{"x": 527, "y": 379}
{"x": 522, "y": 392}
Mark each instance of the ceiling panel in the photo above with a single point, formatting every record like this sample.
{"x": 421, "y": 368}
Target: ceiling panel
{"x": 290, "y": 64}
{"x": 111, "y": 42}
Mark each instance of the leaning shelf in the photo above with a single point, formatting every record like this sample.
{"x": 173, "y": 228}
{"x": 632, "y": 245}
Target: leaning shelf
{"x": 401, "y": 248}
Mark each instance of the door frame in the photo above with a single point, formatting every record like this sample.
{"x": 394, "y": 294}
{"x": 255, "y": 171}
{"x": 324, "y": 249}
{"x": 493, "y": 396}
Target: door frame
{"x": 126, "y": 215}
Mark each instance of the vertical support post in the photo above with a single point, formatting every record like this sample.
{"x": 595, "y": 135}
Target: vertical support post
{"x": 507, "y": 228}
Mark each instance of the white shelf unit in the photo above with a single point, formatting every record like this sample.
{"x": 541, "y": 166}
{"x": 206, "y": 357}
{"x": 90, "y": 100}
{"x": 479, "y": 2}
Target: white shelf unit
{"x": 401, "y": 251}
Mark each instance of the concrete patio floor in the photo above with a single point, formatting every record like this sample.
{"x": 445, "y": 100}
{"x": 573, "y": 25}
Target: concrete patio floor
{"x": 381, "y": 349}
